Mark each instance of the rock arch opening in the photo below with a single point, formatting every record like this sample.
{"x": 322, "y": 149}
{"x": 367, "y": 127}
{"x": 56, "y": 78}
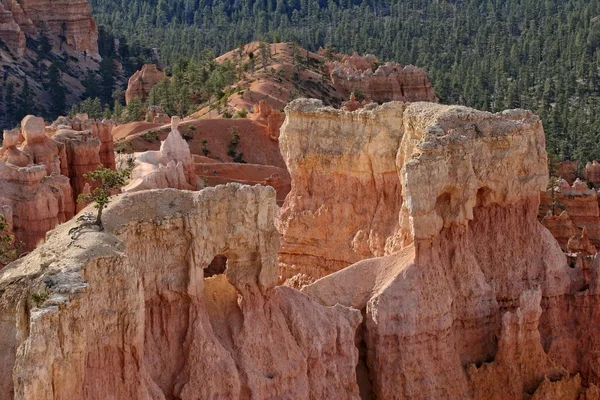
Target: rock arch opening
{"x": 216, "y": 267}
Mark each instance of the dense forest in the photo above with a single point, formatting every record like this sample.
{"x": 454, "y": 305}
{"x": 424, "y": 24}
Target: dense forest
{"x": 541, "y": 55}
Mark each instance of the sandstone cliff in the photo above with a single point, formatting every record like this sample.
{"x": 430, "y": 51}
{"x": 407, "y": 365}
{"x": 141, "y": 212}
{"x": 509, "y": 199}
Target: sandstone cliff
{"x": 129, "y": 313}
{"x": 482, "y": 304}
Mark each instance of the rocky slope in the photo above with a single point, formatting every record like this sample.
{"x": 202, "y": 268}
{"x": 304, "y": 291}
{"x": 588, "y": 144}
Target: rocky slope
{"x": 129, "y": 314}
{"x": 289, "y": 71}
{"x": 480, "y": 302}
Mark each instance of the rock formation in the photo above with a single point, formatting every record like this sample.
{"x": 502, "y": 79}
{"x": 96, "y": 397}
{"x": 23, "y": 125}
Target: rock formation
{"x": 561, "y": 227}
{"x": 170, "y": 167}
{"x": 592, "y": 173}
{"x": 38, "y": 202}
{"x": 380, "y": 83}
{"x": 71, "y": 19}
{"x": 273, "y": 119}
{"x": 318, "y": 144}
{"x": 128, "y": 313}
{"x": 581, "y": 204}
{"x": 83, "y": 156}
{"x": 10, "y": 32}
{"x": 479, "y": 302}
{"x": 41, "y": 176}
{"x": 41, "y": 149}
{"x": 141, "y": 83}
{"x": 100, "y": 129}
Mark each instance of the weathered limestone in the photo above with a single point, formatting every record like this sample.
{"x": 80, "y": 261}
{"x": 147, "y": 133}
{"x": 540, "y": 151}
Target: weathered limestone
{"x": 368, "y": 151}
{"x": 9, "y": 153}
{"x": 348, "y": 162}
{"x": 100, "y": 129}
{"x": 141, "y": 83}
{"x": 130, "y": 315}
{"x": 83, "y": 156}
{"x": 273, "y": 119}
{"x": 581, "y": 205}
{"x": 41, "y": 176}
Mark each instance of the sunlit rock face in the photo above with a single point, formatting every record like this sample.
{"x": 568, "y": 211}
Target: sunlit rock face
{"x": 132, "y": 314}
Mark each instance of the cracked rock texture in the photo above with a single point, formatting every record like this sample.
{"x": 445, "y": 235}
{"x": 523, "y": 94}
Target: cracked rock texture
{"x": 130, "y": 314}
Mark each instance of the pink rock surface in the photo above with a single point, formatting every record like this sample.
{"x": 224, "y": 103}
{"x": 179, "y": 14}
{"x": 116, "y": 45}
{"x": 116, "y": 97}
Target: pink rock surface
{"x": 138, "y": 319}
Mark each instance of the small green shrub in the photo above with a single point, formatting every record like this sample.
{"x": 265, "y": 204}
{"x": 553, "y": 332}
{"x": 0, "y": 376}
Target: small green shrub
{"x": 187, "y": 136}
{"x": 232, "y": 148}
{"x": 39, "y": 297}
{"x": 243, "y": 113}
{"x": 205, "y": 149}
{"x": 150, "y": 136}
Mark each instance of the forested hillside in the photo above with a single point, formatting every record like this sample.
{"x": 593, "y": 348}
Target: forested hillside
{"x": 492, "y": 55}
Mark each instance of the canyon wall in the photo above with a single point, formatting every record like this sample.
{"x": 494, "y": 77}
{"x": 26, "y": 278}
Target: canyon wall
{"x": 71, "y": 19}
{"x": 479, "y": 302}
{"x": 132, "y": 312}
{"x": 354, "y": 178}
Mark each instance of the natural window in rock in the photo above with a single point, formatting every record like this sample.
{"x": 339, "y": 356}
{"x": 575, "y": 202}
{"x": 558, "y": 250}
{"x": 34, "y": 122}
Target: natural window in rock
{"x": 217, "y": 266}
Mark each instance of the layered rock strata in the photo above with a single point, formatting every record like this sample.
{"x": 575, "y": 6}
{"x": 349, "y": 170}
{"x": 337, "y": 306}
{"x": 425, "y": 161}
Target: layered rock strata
{"x": 343, "y": 168}
{"x": 128, "y": 313}
{"x": 10, "y": 32}
{"x": 480, "y": 302}
{"x": 42, "y": 176}
{"x": 70, "y": 19}
{"x": 101, "y": 129}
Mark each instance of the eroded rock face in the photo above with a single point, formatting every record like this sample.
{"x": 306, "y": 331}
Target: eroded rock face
{"x": 137, "y": 319}
{"x": 100, "y": 129}
{"x": 71, "y": 19}
{"x": 462, "y": 310}
{"x": 581, "y": 205}
{"x": 83, "y": 156}
{"x": 329, "y": 160}
{"x": 42, "y": 176}
{"x": 380, "y": 83}
{"x": 38, "y": 202}
{"x": 273, "y": 119}
{"x": 10, "y": 32}
{"x": 141, "y": 83}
